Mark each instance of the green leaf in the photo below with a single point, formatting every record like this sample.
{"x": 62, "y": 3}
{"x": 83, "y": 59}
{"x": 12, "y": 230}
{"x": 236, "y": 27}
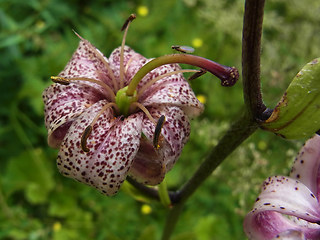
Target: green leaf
{"x": 31, "y": 173}
{"x": 297, "y": 115}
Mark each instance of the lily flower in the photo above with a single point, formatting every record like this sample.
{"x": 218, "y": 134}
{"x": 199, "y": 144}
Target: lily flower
{"x": 122, "y": 115}
{"x": 288, "y": 207}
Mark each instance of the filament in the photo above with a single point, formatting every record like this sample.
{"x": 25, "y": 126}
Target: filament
{"x": 86, "y": 133}
{"x": 66, "y": 81}
{"x": 143, "y": 108}
{"x": 102, "y": 59}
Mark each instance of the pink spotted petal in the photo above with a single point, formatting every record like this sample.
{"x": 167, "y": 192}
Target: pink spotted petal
{"x": 174, "y": 134}
{"x": 290, "y": 235}
{"x": 175, "y": 93}
{"x": 283, "y": 195}
{"x": 113, "y": 144}
{"x": 87, "y": 61}
{"x": 307, "y": 164}
{"x": 148, "y": 166}
{"x": 132, "y": 63}
{"x": 267, "y": 225}
{"x": 62, "y": 105}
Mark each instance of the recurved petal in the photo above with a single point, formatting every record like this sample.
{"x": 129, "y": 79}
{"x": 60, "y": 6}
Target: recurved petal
{"x": 174, "y": 92}
{"x": 307, "y": 164}
{"x": 267, "y": 225}
{"x": 282, "y": 195}
{"x": 175, "y": 132}
{"x": 62, "y": 105}
{"x": 113, "y": 144}
{"x": 148, "y": 166}
{"x": 87, "y": 61}
{"x": 290, "y": 235}
{"x": 132, "y": 62}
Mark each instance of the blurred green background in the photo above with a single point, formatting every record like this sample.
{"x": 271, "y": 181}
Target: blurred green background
{"x": 36, "y": 41}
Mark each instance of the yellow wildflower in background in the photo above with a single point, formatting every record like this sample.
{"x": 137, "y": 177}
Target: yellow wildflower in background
{"x": 197, "y": 42}
{"x": 56, "y": 226}
{"x": 142, "y": 11}
{"x": 146, "y": 209}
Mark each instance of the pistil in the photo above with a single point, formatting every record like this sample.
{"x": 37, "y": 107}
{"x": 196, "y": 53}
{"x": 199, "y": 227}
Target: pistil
{"x": 151, "y": 82}
{"x": 227, "y": 75}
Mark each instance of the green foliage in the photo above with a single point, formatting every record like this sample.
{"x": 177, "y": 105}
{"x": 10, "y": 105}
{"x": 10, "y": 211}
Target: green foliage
{"x": 36, "y": 41}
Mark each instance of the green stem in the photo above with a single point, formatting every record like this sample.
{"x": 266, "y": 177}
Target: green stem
{"x": 171, "y": 221}
{"x": 237, "y": 133}
{"x": 228, "y": 75}
{"x": 164, "y": 194}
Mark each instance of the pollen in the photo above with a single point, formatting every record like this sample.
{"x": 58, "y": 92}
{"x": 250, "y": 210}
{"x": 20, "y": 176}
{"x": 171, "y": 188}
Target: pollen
{"x": 146, "y": 209}
{"x": 202, "y": 98}
{"x": 143, "y": 11}
{"x": 197, "y": 42}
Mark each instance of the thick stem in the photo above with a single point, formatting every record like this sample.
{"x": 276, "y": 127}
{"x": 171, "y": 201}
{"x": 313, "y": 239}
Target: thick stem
{"x": 246, "y": 125}
{"x": 227, "y": 75}
{"x": 251, "y": 46}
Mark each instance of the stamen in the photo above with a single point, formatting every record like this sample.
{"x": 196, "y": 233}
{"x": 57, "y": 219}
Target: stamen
{"x": 124, "y": 28}
{"x": 143, "y": 108}
{"x": 157, "y": 131}
{"x": 197, "y": 74}
{"x": 129, "y": 63}
{"x": 88, "y": 130}
{"x": 102, "y": 59}
{"x": 66, "y": 81}
{"x": 148, "y": 84}
{"x": 183, "y": 49}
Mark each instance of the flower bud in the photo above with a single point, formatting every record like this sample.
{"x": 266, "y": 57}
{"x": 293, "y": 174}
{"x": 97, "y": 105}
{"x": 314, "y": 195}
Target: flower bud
{"x": 297, "y": 115}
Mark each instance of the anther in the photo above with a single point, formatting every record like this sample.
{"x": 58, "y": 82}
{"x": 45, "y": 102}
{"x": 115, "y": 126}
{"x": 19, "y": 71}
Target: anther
{"x": 157, "y": 131}
{"x": 86, "y": 133}
{"x": 60, "y": 80}
{"x": 197, "y": 74}
{"x": 183, "y": 49}
{"x": 129, "y": 20}
{"x": 84, "y": 138}
{"x": 124, "y": 28}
